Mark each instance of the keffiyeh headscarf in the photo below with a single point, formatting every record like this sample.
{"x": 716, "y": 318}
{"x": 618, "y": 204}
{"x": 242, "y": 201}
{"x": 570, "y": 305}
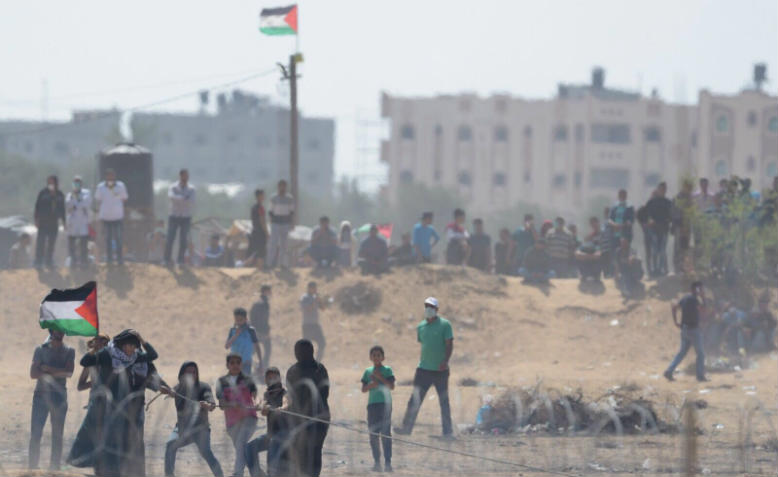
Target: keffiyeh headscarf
{"x": 120, "y": 361}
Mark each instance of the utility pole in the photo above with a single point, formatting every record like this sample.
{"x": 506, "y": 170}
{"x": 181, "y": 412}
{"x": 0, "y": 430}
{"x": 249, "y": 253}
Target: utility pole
{"x": 290, "y": 74}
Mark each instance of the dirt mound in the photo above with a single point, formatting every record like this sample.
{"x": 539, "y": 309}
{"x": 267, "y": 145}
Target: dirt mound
{"x": 358, "y": 299}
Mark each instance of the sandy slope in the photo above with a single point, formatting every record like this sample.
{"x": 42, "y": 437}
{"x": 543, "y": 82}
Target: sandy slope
{"x": 505, "y": 333}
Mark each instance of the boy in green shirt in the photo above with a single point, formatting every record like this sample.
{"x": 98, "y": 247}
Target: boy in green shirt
{"x": 378, "y": 380}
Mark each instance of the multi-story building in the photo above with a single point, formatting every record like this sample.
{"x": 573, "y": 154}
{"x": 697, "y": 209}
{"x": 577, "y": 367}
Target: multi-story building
{"x": 564, "y": 153}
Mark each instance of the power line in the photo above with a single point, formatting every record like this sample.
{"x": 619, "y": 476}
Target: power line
{"x": 170, "y": 99}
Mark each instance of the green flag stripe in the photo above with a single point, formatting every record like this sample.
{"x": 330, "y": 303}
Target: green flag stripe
{"x": 277, "y": 30}
{"x": 71, "y": 327}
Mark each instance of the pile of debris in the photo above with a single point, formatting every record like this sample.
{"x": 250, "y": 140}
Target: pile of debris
{"x": 532, "y": 410}
{"x": 359, "y": 298}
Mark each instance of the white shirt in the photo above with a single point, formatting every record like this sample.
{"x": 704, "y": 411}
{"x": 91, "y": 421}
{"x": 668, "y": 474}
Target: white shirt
{"x": 182, "y": 200}
{"x": 77, "y": 205}
{"x": 111, "y": 201}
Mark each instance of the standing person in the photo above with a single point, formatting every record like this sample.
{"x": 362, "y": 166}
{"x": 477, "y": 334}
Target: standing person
{"x": 424, "y": 238}
{"x": 311, "y": 303}
{"x": 621, "y": 218}
{"x": 560, "y": 247}
{"x": 690, "y": 330}
{"x": 308, "y": 384}
{"x": 281, "y": 213}
{"x": 608, "y": 243}
{"x": 642, "y": 218}
{"x": 19, "y": 256}
{"x": 659, "y": 213}
{"x": 49, "y": 210}
{"x": 111, "y": 194}
{"x": 274, "y": 402}
{"x": 524, "y": 238}
{"x": 182, "y": 202}
{"x": 77, "y": 205}
{"x": 703, "y": 199}
{"x": 457, "y": 250}
{"x": 194, "y": 400}
{"x": 257, "y": 249}
{"x": 378, "y": 380}
{"x": 236, "y": 393}
{"x": 123, "y": 370}
{"x": 437, "y": 343}
{"x": 345, "y": 245}
{"x": 242, "y": 339}
{"x": 480, "y": 244}
{"x": 682, "y": 211}
{"x": 83, "y": 451}
{"x": 259, "y": 316}
{"x": 52, "y": 365}
{"x": 503, "y": 254}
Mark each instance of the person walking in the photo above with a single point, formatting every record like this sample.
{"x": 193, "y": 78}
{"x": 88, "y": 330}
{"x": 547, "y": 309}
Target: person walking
{"x": 257, "y": 250}
{"x": 281, "y": 223}
{"x": 182, "y": 202}
{"x": 49, "y": 210}
{"x": 690, "y": 330}
{"x": 308, "y": 384}
{"x": 52, "y": 365}
{"x": 111, "y": 194}
{"x": 437, "y": 343}
{"x": 78, "y": 202}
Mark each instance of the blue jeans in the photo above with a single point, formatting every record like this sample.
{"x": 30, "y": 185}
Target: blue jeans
{"x": 657, "y": 264}
{"x": 240, "y": 434}
{"x": 43, "y": 405}
{"x": 379, "y": 421}
{"x": 275, "y": 451}
{"x": 690, "y": 337}
{"x": 113, "y": 240}
{"x": 181, "y": 225}
{"x": 201, "y": 437}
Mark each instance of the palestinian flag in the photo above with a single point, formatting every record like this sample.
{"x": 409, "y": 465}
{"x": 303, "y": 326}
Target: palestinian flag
{"x": 73, "y": 312}
{"x": 383, "y": 229}
{"x": 278, "y": 21}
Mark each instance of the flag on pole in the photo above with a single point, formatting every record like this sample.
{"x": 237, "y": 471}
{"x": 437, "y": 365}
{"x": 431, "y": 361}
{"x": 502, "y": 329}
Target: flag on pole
{"x": 384, "y": 230}
{"x": 278, "y": 21}
{"x": 73, "y": 312}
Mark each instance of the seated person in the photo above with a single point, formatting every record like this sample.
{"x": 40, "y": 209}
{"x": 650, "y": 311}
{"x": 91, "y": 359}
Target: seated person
{"x": 761, "y": 324}
{"x": 587, "y": 257}
{"x": 629, "y": 268}
{"x": 503, "y": 254}
{"x": 19, "y": 256}
{"x": 735, "y": 331}
{"x": 536, "y": 264}
{"x": 373, "y": 253}
{"x": 404, "y": 254}
{"x": 214, "y": 253}
{"x": 324, "y": 244}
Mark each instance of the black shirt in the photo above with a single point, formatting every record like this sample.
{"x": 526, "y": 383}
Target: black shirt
{"x": 260, "y": 316}
{"x": 308, "y": 384}
{"x": 190, "y": 414}
{"x": 49, "y": 208}
{"x": 660, "y": 210}
{"x": 274, "y": 397}
{"x": 690, "y": 311}
{"x": 479, "y": 251}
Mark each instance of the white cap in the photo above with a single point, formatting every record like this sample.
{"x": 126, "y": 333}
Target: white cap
{"x": 431, "y": 301}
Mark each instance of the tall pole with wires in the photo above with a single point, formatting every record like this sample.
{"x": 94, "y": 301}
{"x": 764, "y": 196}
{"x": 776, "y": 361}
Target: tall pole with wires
{"x": 294, "y": 150}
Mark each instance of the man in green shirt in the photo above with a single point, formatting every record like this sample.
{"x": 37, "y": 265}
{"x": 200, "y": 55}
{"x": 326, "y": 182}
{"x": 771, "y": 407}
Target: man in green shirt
{"x": 437, "y": 344}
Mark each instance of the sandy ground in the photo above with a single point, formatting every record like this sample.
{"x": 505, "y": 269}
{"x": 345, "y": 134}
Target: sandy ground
{"x": 506, "y": 334}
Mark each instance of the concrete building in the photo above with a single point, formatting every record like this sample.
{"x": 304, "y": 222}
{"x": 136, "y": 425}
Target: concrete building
{"x": 567, "y": 153}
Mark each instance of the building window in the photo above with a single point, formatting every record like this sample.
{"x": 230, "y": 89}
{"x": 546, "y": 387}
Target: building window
{"x": 499, "y": 179}
{"x": 772, "y": 124}
{"x": 464, "y": 105}
{"x": 262, "y": 141}
{"x": 722, "y": 124}
{"x": 751, "y": 118}
{"x": 577, "y": 178}
{"x": 28, "y": 146}
{"x": 772, "y": 169}
{"x": 501, "y": 134}
{"x": 560, "y": 133}
{"x": 579, "y": 133}
{"x": 527, "y": 131}
{"x": 694, "y": 139}
{"x": 721, "y": 168}
{"x": 609, "y": 178}
{"x": 464, "y": 178}
{"x": 312, "y": 177}
{"x": 407, "y": 132}
{"x": 438, "y": 130}
{"x": 527, "y": 176}
{"x": 200, "y": 139}
{"x": 610, "y": 133}
{"x": 313, "y": 144}
{"x": 751, "y": 164}
{"x": 61, "y": 147}
{"x": 167, "y": 138}
{"x": 406, "y": 177}
{"x": 232, "y": 139}
{"x": 465, "y": 133}
{"x": 653, "y": 134}
{"x": 651, "y": 180}
{"x": 559, "y": 180}
{"x": 438, "y": 174}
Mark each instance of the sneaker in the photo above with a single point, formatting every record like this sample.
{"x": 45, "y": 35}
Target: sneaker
{"x": 402, "y": 431}
{"x": 668, "y": 375}
{"x": 376, "y": 467}
{"x": 388, "y": 467}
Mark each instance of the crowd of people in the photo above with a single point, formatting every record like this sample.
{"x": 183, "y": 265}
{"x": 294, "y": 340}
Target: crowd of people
{"x": 118, "y": 370}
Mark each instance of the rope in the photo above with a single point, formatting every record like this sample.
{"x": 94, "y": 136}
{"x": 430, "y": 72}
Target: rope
{"x": 400, "y": 439}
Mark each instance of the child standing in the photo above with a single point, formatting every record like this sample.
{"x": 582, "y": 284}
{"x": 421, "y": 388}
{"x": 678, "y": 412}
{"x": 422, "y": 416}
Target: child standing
{"x": 236, "y": 393}
{"x": 378, "y": 380}
{"x": 274, "y": 442}
{"x": 242, "y": 340}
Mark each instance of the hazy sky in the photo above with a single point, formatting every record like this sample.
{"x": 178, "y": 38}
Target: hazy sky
{"x": 105, "y": 53}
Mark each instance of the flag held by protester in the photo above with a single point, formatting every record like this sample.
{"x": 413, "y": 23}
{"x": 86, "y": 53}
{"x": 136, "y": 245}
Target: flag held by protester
{"x": 278, "y": 21}
{"x": 73, "y": 311}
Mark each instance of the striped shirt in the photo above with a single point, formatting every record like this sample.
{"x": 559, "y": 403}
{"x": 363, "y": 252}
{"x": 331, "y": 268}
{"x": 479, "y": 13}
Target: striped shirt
{"x": 560, "y": 244}
{"x": 281, "y": 209}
